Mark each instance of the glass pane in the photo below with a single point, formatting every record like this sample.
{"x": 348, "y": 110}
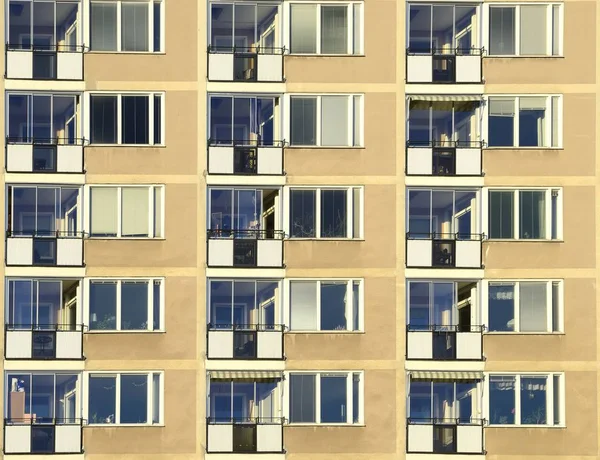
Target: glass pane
{"x": 134, "y": 305}
{"x": 47, "y": 313}
{"x": 443, "y": 401}
{"x": 333, "y": 306}
{"x": 443, "y": 29}
{"x": 467, "y": 402}
{"x": 334, "y": 205}
{"x": 67, "y": 399}
{"x": 303, "y": 121}
{"x": 419, "y": 40}
{"x": 502, "y": 400}
{"x": 244, "y": 30}
{"x": 502, "y": 30}
{"x": 419, "y": 123}
{"x": 355, "y": 398}
{"x": 501, "y": 122}
{"x": 102, "y": 399}
{"x": 103, "y": 119}
{"x": 419, "y": 305}
{"x": 267, "y": 300}
{"x": 532, "y": 214}
{"x": 555, "y": 119}
{"x": 19, "y": 126}
{"x": 24, "y": 200}
{"x": 555, "y": 30}
{"x": 43, "y": 26}
{"x": 135, "y": 121}
{"x": 302, "y": 213}
{"x": 356, "y": 305}
{"x": 103, "y": 306}
{"x": 103, "y": 27}
{"x": 443, "y": 305}
{"x": 221, "y": 120}
{"x": 245, "y": 313}
{"x": 420, "y": 401}
{"x": 466, "y": 122}
{"x": 42, "y": 397}
{"x": 533, "y": 308}
{"x": 501, "y": 304}
{"x": 221, "y": 211}
{"x": 303, "y": 25}
{"x": 442, "y": 211}
{"x": 134, "y": 212}
{"x": 42, "y": 119}
{"x": 134, "y": 27}
{"x": 104, "y": 211}
{"x": 64, "y": 119}
{"x": 334, "y": 29}
{"x": 419, "y": 213}
{"x": 158, "y": 212}
{"x": 465, "y": 28}
{"x": 302, "y": 398}
{"x": 334, "y": 120}
{"x": 501, "y": 214}
{"x": 333, "y": 399}
{"x": 533, "y": 29}
{"x": 533, "y": 400}
{"x": 221, "y": 310}
{"x": 19, "y": 19}
{"x": 157, "y": 119}
{"x": 156, "y": 300}
{"x": 556, "y": 326}
{"x": 134, "y": 398}
{"x": 19, "y": 402}
{"x": 221, "y": 26}
{"x": 155, "y": 398}
{"x": 532, "y": 121}
{"x": 220, "y": 401}
{"x": 357, "y": 29}
{"x": 303, "y": 305}
{"x": 157, "y": 27}
{"x": 67, "y": 26}
{"x": 20, "y": 303}
{"x": 556, "y": 398}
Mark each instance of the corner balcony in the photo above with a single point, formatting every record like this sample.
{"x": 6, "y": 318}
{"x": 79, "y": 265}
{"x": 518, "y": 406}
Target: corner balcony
{"x": 251, "y": 158}
{"x": 42, "y": 435}
{"x": 244, "y": 435}
{"x": 444, "y": 436}
{"x": 47, "y": 62}
{"x": 245, "y": 341}
{"x": 245, "y": 64}
{"x": 245, "y": 248}
{"x": 444, "y": 343}
{"x": 44, "y": 341}
{"x": 55, "y": 155}
{"x": 50, "y": 249}
{"x": 444, "y": 250}
{"x": 445, "y": 65}
{"x": 444, "y": 158}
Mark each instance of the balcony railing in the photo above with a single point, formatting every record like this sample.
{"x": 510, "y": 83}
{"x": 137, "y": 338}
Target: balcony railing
{"x": 43, "y": 435}
{"x": 444, "y": 343}
{"x": 245, "y": 157}
{"x": 444, "y": 65}
{"x": 245, "y": 64}
{"x": 44, "y": 341}
{"x": 45, "y": 155}
{"x": 444, "y": 250}
{"x": 245, "y": 341}
{"x": 47, "y": 62}
{"x": 444, "y": 158}
{"x": 51, "y": 248}
{"x": 245, "y": 248}
{"x": 244, "y": 435}
{"x": 445, "y": 435}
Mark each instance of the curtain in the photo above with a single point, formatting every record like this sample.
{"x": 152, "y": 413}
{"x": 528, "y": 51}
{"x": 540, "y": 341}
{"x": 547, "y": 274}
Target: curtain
{"x": 532, "y": 214}
{"x": 134, "y": 212}
{"x": 104, "y": 211}
{"x": 502, "y": 30}
{"x": 533, "y": 29}
{"x": 303, "y": 28}
{"x": 303, "y": 120}
{"x": 103, "y": 27}
{"x": 533, "y": 310}
{"x": 334, "y": 29}
{"x": 303, "y": 305}
{"x": 334, "y": 120}
{"x": 134, "y": 27}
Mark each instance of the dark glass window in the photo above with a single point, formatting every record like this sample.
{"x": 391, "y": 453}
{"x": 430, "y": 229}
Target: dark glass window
{"x": 103, "y": 119}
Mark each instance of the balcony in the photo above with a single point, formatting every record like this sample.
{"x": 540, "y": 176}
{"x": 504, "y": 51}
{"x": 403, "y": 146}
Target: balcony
{"x": 250, "y": 158}
{"x": 245, "y": 248}
{"x": 250, "y": 64}
{"x": 245, "y": 341}
{"x": 444, "y": 435}
{"x": 44, "y": 341}
{"x": 444, "y": 343}
{"x": 53, "y": 155}
{"x": 445, "y": 66}
{"x": 447, "y": 159}
{"x": 249, "y": 435}
{"x": 32, "y": 435}
{"x": 49, "y": 62}
{"x": 443, "y": 250}
{"x": 50, "y": 249}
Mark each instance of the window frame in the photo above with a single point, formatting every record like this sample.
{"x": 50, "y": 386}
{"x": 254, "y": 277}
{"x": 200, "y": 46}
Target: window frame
{"x": 349, "y": 210}
{"x": 87, "y": 375}
{"x": 287, "y": 305}
{"x": 516, "y": 305}
{"x": 550, "y": 398}
{"x": 87, "y": 123}
{"x": 516, "y": 214}
{"x": 349, "y": 374}
{"x": 119, "y": 27}
{"x": 151, "y": 206}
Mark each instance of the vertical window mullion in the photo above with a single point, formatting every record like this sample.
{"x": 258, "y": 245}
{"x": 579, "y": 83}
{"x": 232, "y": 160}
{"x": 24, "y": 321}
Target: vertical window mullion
{"x": 517, "y": 306}
{"x": 151, "y": 216}
{"x": 549, "y": 307}
{"x": 151, "y": 32}
{"x": 349, "y": 213}
{"x": 118, "y": 325}
{"x": 548, "y": 216}
{"x": 318, "y": 397}
{"x": 151, "y": 127}
{"x": 349, "y": 398}
{"x": 517, "y": 215}
{"x": 318, "y": 212}
{"x": 318, "y": 28}
{"x": 319, "y": 120}
{"x": 150, "y": 305}
{"x": 349, "y": 305}
{"x": 119, "y": 118}
{"x": 318, "y": 328}
{"x": 549, "y": 29}
{"x": 150, "y": 399}
{"x": 119, "y": 26}
{"x": 517, "y": 30}
{"x": 118, "y": 398}
{"x": 119, "y": 210}
{"x": 550, "y": 399}
{"x": 516, "y": 121}
{"x": 350, "y": 28}
{"x": 517, "y": 400}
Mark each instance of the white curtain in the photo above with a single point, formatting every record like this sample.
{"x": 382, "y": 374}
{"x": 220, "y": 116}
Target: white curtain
{"x": 104, "y": 210}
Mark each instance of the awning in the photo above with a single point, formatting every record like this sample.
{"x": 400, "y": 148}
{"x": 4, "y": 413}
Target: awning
{"x": 245, "y": 375}
{"x": 446, "y": 375}
{"x": 446, "y": 98}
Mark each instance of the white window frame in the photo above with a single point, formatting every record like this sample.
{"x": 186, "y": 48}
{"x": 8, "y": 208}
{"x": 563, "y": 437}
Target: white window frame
{"x": 349, "y": 210}
{"x": 118, "y": 374}
{"x": 547, "y": 121}
{"x": 516, "y": 305}
{"x": 549, "y": 398}
{"x": 349, "y": 304}
{"x": 517, "y": 36}
{"x": 349, "y": 397}
{"x": 88, "y": 121}
{"x": 119, "y": 281}
{"x": 88, "y": 25}
{"x": 355, "y": 140}
{"x": 548, "y": 204}
{"x": 151, "y": 216}
{"x": 350, "y": 17}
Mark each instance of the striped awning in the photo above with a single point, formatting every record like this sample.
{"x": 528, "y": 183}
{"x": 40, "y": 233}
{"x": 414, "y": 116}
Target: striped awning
{"x": 446, "y": 375}
{"x": 446, "y": 98}
{"x": 245, "y": 374}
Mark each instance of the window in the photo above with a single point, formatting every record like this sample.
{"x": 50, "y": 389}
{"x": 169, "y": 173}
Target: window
{"x": 126, "y": 305}
{"x": 125, "y": 398}
{"x": 327, "y": 305}
{"x": 326, "y": 213}
{"x": 126, "y": 211}
{"x": 326, "y": 121}
{"x": 244, "y": 400}
{"x": 328, "y": 398}
{"x": 526, "y": 30}
{"x": 326, "y": 28}
{"x": 126, "y": 26}
{"x": 525, "y": 214}
{"x": 536, "y": 399}
{"x": 128, "y": 119}
{"x": 444, "y": 401}
{"x": 525, "y": 306}
{"x": 524, "y": 121}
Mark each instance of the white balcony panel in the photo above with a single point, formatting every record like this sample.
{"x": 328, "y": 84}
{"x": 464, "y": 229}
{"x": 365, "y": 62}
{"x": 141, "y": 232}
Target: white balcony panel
{"x": 19, "y": 251}
{"x": 69, "y": 252}
{"x": 69, "y": 344}
{"x": 468, "y": 254}
{"x": 17, "y": 439}
{"x": 69, "y": 66}
{"x": 469, "y": 439}
{"x": 220, "y": 438}
{"x": 420, "y": 69}
{"x": 220, "y": 344}
{"x": 468, "y": 162}
{"x": 270, "y": 344}
{"x": 270, "y": 160}
{"x": 19, "y": 158}
{"x": 419, "y": 161}
{"x": 18, "y": 344}
{"x": 220, "y": 252}
{"x": 420, "y": 438}
{"x": 19, "y": 64}
{"x": 270, "y": 253}
{"x": 270, "y": 67}
{"x": 468, "y": 345}
{"x": 69, "y": 158}
{"x": 68, "y": 439}
{"x": 419, "y": 345}
{"x": 220, "y": 160}
{"x": 220, "y": 66}
{"x": 468, "y": 69}
{"x": 269, "y": 438}
{"x": 419, "y": 253}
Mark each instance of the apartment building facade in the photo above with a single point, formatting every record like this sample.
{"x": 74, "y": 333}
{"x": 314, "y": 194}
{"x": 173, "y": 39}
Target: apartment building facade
{"x": 300, "y": 229}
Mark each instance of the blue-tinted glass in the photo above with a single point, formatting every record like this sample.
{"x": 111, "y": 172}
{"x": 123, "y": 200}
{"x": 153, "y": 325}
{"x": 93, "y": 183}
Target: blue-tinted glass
{"x": 266, "y": 292}
{"x": 420, "y": 29}
{"x": 135, "y": 124}
{"x": 302, "y": 213}
{"x": 502, "y": 400}
{"x": 221, "y": 116}
{"x": 221, "y": 209}
{"x": 20, "y": 306}
{"x": 531, "y": 133}
{"x": 333, "y": 306}
{"x": 419, "y": 213}
{"x": 419, "y": 123}
{"x": 134, "y": 398}
{"x": 24, "y": 201}
{"x": 465, "y": 401}
{"x": 19, "y": 33}
{"x": 443, "y": 301}
{"x": 501, "y": 314}
{"x": 247, "y": 210}
{"x": 533, "y": 400}
{"x": 501, "y": 214}
{"x": 266, "y": 394}
{"x": 19, "y": 106}
{"x": 220, "y": 304}
{"x": 419, "y": 303}
{"x": 220, "y": 401}
{"x": 134, "y": 306}
{"x": 266, "y": 120}
{"x": 333, "y": 399}
{"x": 50, "y": 293}
{"x": 244, "y": 301}
{"x": 42, "y": 397}
{"x": 19, "y": 383}
{"x": 243, "y": 401}
{"x": 420, "y": 401}
{"x": 500, "y": 131}
{"x": 103, "y": 306}
{"x": 103, "y": 119}
{"x": 443, "y": 401}
{"x": 333, "y": 214}
{"x": 221, "y": 26}
{"x": 302, "y": 398}
{"x": 102, "y": 399}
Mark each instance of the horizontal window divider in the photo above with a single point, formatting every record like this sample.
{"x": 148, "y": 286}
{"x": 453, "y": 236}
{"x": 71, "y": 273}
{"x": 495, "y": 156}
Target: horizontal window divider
{"x": 268, "y": 50}
{"x": 245, "y": 234}
{"x": 246, "y": 420}
{"x": 246, "y": 327}
{"x": 63, "y": 327}
{"x": 473, "y": 51}
{"x": 44, "y": 141}
{"x": 446, "y": 421}
{"x": 47, "y": 48}
{"x": 458, "y": 236}
{"x": 446, "y": 328}
{"x": 247, "y": 143}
